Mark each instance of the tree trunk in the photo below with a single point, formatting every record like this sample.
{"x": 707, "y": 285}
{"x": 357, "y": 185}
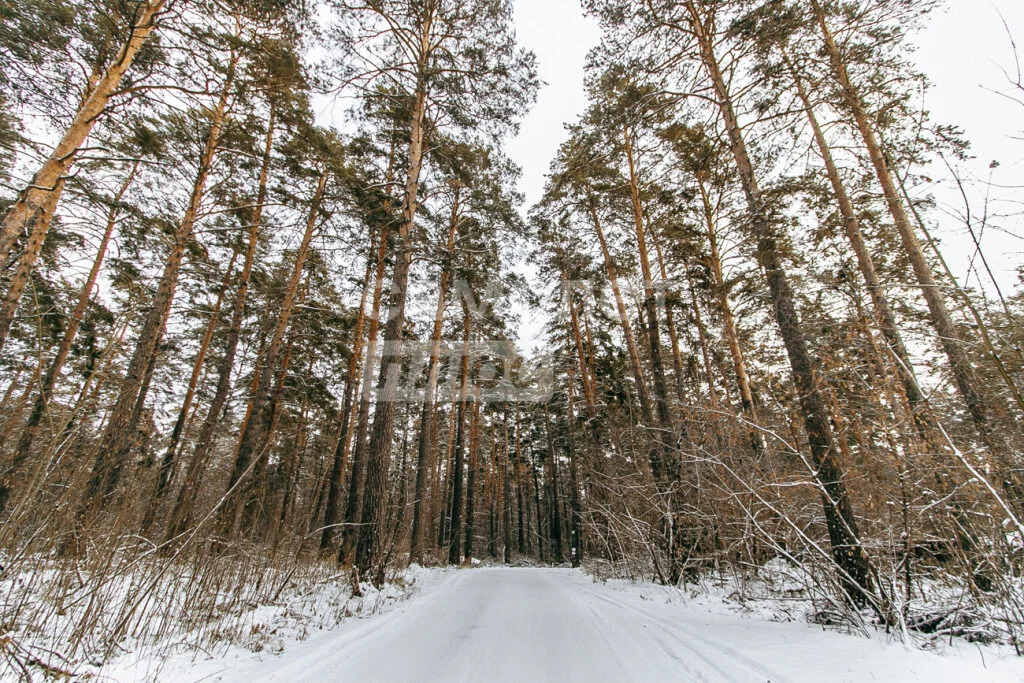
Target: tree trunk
{"x": 541, "y": 543}
{"x": 920, "y": 410}
{"x": 181, "y": 515}
{"x": 454, "y": 554}
{"x": 849, "y": 555}
{"x": 670, "y": 322}
{"x": 653, "y": 326}
{"x": 49, "y": 380}
{"x": 554, "y": 505}
{"x": 341, "y": 448}
{"x": 702, "y": 339}
{"x": 949, "y": 338}
{"x": 26, "y": 263}
{"x": 471, "y": 483}
{"x": 586, "y": 378}
{"x": 167, "y": 462}
{"x": 114, "y": 443}
{"x": 517, "y": 472}
{"x": 253, "y": 519}
{"x": 252, "y": 440}
{"x": 288, "y": 469}
{"x": 369, "y": 550}
{"x": 739, "y": 363}
{"x": 647, "y": 417}
{"x": 47, "y": 184}
{"x": 357, "y": 477}
{"x": 447, "y": 464}
{"x": 506, "y": 496}
{"x": 428, "y": 423}
{"x": 574, "y": 477}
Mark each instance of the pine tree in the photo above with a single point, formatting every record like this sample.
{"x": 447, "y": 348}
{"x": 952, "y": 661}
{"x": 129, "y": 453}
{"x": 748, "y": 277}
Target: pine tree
{"x": 38, "y": 200}
{"x": 465, "y": 68}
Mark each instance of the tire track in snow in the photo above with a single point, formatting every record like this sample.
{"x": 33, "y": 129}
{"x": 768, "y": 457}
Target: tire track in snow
{"x": 685, "y": 637}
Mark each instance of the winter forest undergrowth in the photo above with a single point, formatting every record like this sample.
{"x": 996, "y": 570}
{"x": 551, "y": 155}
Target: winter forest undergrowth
{"x": 257, "y": 360}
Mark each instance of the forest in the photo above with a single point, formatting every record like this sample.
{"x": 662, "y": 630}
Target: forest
{"x": 264, "y": 268}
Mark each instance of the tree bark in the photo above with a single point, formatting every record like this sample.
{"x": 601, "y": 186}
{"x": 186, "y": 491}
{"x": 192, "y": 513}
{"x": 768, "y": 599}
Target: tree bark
{"x": 739, "y": 363}
{"x": 471, "y": 482}
{"x": 702, "y": 339}
{"x": 357, "y": 477}
{"x": 627, "y": 330}
{"x": 517, "y": 472}
{"x": 344, "y": 440}
{"x": 26, "y": 263}
{"x": 670, "y": 322}
{"x": 575, "y": 501}
{"x": 449, "y": 466}
{"x": 167, "y": 462}
{"x": 541, "y": 542}
{"x": 662, "y": 467}
{"x": 554, "y": 505}
{"x": 506, "y": 495}
{"x": 920, "y": 410}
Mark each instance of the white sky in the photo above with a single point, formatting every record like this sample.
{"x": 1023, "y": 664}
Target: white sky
{"x": 561, "y": 36}
{"x": 961, "y": 50}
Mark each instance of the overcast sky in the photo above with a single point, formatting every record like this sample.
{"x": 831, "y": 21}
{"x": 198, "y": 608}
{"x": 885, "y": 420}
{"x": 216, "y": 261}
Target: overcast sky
{"x": 561, "y": 36}
{"x": 961, "y": 51}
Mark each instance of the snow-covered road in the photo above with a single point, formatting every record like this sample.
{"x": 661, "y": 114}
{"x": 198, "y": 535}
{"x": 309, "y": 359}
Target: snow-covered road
{"x": 557, "y": 625}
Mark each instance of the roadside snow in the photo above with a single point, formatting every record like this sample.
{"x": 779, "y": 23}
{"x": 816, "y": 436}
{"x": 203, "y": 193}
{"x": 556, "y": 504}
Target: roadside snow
{"x": 302, "y": 612}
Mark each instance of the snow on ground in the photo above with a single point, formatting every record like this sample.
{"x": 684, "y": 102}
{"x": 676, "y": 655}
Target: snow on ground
{"x": 303, "y": 611}
{"x": 515, "y": 624}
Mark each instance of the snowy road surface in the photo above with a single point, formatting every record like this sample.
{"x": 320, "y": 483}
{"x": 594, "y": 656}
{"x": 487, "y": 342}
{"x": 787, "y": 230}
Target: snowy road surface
{"x": 557, "y": 625}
